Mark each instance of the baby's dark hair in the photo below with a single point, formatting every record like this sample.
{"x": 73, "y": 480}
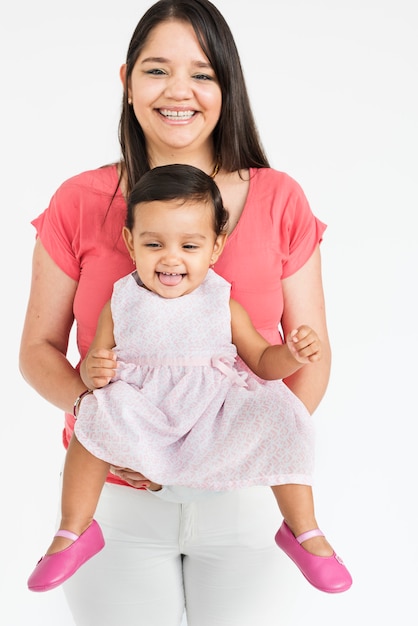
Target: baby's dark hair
{"x": 178, "y": 182}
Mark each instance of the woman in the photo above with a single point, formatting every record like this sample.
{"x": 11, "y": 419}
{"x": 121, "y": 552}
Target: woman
{"x": 184, "y": 101}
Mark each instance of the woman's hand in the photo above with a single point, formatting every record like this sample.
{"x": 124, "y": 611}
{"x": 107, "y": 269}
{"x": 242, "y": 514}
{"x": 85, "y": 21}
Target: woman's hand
{"x": 135, "y": 479}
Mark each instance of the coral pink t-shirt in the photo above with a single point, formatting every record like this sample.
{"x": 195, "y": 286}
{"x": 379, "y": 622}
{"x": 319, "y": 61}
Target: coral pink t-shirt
{"x": 275, "y": 236}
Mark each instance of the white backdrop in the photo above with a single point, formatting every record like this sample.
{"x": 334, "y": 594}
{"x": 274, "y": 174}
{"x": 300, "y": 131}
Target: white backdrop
{"x": 334, "y": 89}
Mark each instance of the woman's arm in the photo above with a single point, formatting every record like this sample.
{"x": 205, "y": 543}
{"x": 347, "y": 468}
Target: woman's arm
{"x": 46, "y": 331}
{"x": 304, "y": 303}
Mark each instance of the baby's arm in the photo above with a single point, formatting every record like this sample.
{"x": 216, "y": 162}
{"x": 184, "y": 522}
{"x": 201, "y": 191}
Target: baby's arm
{"x": 99, "y": 364}
{"x": 268, "y": 361}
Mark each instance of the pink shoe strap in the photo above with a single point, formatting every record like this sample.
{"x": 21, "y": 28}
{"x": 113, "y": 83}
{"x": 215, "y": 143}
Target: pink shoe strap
{"x": 67, "y": 534}
{"x": 309, "y": 534}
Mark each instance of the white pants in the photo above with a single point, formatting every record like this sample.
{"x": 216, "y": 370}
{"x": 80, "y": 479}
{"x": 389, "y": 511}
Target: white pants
{"x": 214, "y": 558}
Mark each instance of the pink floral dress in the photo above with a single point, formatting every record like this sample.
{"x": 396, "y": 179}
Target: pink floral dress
{"x": 183, "y": 408}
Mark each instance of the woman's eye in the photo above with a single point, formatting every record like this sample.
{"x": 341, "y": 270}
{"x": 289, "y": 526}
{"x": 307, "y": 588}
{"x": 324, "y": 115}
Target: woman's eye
{"x": 155, "y": 72}
{"x": 203, "y": 77}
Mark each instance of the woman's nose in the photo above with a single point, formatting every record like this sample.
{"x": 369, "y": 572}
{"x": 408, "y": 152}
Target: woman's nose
{"x": 178, "y": 87}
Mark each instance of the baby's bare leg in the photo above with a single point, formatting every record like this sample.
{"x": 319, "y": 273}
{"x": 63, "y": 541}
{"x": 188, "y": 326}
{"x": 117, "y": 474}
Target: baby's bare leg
{"x": 83, "y": 479}
{"x": 297, "y": 507}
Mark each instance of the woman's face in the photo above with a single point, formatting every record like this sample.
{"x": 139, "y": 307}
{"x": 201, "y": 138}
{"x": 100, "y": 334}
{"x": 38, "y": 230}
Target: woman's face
{"x": 175, "y": 93}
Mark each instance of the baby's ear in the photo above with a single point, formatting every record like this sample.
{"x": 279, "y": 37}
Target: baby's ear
{"x": 128, "y": 239}
{"x": 218, "y": 247}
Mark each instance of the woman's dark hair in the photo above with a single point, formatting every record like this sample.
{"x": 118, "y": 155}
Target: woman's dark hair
{"x": 178, "y": 182}
{"x": 236, "y": 141}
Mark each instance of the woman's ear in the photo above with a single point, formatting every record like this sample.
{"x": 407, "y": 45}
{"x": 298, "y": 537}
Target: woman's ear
{"x": 122, "y": 75}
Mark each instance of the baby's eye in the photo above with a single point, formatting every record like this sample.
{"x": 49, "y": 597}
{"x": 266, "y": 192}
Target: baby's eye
{"x": 190, "y": 246}
{"x": 152, "y": 245}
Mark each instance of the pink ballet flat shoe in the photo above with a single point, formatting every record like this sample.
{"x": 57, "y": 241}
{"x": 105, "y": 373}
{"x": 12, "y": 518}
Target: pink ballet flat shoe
{"x": 326, "y": 573}
{"x": 54, "y": 569}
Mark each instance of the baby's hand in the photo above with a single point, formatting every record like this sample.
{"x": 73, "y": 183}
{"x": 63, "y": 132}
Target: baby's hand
{"x": 100, "y": 367}
{"x": 304, "y": 344}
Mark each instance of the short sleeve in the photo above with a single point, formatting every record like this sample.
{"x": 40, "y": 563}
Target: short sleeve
{"x": 300, "y": 231}
{"x": 58, "y": 226}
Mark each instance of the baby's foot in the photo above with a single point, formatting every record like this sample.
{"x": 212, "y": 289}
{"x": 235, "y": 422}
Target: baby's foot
{"x": 318, "y": 546}
{"x": 60, "y": 543}
{"x": 317, "y": 561}
{"x": 314, "y": 542}
{"x": 55, "y": 568}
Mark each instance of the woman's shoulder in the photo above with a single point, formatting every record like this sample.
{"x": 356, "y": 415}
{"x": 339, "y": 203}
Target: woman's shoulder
{"x": 277, "y": 192}
{"x": 102, "y": 179}
{"x": 271, "y": 178}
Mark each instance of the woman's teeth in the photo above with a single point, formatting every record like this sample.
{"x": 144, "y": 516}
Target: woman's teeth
{"x": 178, "y": 115}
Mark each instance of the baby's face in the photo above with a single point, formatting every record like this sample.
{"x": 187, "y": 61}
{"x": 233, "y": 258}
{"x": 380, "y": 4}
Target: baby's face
{"x": 174, "y": 244}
